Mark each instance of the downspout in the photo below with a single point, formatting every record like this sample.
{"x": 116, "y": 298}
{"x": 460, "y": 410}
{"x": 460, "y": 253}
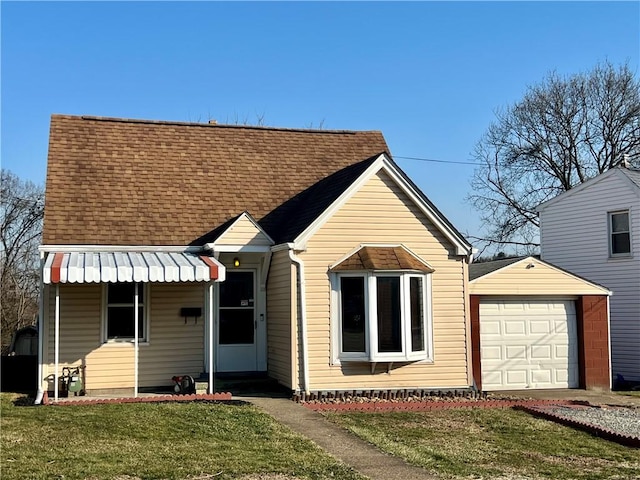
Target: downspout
{"x": 609, "y": 340}
{"x": 56, "y": 345}
{"x": 212, "y": 387}
{"x": 303, "y": 320}
{"x": 40, "y": 391}
{"x": 136, "y": 333}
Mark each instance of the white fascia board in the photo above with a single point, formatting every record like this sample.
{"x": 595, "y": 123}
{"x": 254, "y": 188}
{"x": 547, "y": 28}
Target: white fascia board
{"x": 634, "y": 185}
{"x": 119, "y": 248}
{"x": 249, "y": 217}
{"x": 283, "y": 246}
{"x": 578, "y": 188}
{"x": 382, "y": 163}
{"x": 237, "y": 248}
{"x": 604, "y": 290}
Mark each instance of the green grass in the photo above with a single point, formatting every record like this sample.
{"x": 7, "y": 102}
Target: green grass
{"x": 151, "y": 441}
{"x": 493, "y": 443}
{"x": 629, "y": 393}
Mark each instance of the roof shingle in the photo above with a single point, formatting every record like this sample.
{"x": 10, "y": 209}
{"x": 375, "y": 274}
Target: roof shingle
{"x": 133, "y": 182}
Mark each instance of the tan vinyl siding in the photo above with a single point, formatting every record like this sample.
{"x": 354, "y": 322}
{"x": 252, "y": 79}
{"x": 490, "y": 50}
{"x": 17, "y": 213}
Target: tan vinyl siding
{"x": 279, "y": 334}
{"x": 381, "y": 213}
{"x": 541, "y": 279}
{"x": 174, "y": 347}
{"x": 243, "y": 232}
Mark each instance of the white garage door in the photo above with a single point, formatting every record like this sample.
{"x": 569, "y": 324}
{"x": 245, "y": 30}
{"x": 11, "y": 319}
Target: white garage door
{"x": 528, "y": 344}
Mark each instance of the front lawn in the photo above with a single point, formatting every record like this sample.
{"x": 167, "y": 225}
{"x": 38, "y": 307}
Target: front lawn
{"x": 493, "y": 443}
{"x": 151, "y": 441}
{"x": 628, "y": 393}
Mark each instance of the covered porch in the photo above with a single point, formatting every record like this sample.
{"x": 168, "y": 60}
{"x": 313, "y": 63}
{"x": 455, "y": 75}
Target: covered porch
{"x": 127, "y": 319}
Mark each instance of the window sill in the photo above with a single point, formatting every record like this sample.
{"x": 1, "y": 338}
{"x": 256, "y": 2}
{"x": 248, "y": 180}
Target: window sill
{"x": 123, "y": 343}
{"x": 621, "y": 256}
{"x": 378, "y": 359}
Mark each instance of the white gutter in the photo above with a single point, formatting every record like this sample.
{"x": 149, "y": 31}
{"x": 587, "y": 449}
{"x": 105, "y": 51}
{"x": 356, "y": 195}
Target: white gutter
{"x": 609, "y": 340}
{"x": 210, "y": 339}
{"x": 136, "y": 333}
{"x": 56, "y": 347}
{"x": 40, "y": 392}
{"x": 303, "y": 319}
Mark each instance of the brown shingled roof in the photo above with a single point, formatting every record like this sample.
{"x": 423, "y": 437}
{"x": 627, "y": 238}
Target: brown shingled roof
{"x": 132, "y": 182}
{"x": 382, "y": 258}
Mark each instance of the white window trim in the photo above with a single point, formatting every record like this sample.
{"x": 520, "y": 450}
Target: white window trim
{"x": 610, "y": 233}
{"x": 371, "y": 338}
{"x": 126, "y": 341}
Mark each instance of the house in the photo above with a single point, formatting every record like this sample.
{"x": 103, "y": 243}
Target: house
{"x": 176, "y": 248}
{"x": 593, "y": 230}
{"x": 536, "y": 326}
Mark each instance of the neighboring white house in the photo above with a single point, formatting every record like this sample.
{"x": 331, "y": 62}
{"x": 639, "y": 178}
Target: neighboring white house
{"x": 593, "y": 230}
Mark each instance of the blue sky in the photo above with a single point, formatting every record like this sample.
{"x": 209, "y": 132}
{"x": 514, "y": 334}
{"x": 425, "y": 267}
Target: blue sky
{"x": 429, "y": 75}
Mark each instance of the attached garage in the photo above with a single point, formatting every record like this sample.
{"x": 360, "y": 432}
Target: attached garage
{"x": 535, "y": 326}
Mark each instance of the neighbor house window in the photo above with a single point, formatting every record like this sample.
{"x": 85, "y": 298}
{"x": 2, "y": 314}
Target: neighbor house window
{"x": 119, "y": 312}
{"x": 383, "y": 316}
{"x": 619, "y": 234}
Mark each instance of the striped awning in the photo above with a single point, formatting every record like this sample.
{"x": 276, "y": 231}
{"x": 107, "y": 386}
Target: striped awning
{"x": 112, "y": 267}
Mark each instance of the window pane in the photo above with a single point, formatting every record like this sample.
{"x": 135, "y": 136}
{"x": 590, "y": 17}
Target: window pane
{"x": 389, "y": 328}
{"x": 121, "y": 292}
{"x": 353, "y": 314}
{"x": 236, "y": 326}
{"x": 237, "y": 290}
{"x": 620, "y": 222}
{"x": 620, "y": 243}
{"x": 120, "y": 322}
{"x": 417, "y": 315}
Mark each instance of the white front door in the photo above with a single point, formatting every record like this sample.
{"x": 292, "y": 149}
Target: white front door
{"x": 237, "y": 323}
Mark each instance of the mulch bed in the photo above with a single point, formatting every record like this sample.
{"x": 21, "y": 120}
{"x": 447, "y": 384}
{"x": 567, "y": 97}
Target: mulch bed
{"x": 409, "y": 405}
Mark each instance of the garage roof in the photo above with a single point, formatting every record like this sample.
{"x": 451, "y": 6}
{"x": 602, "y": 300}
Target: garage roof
{"x": 528, "y": 276}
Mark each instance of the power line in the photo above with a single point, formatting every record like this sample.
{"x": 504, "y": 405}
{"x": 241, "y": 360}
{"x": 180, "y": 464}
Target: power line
{"x": 419, "y": 159}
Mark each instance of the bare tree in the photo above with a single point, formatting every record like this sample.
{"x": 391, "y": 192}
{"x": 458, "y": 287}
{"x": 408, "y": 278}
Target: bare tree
{"x": 22, "y": 209}
{"x": 564, "y": 131}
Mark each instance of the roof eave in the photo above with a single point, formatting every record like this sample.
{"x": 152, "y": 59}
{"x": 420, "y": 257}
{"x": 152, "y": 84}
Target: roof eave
{"x": 383, "y": 162}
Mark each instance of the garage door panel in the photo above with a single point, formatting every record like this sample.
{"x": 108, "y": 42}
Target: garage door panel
{"x": 516, "y": 378}
{"x": 493, "y": 379}
{"x": 491, "y": 327}
{"x": 515, "y": 327}
{"x": 540, "y": 326}
{"x": 561, "y": 351}
{"x": 541, "y": 377}
{"x": 529, "y": 343}
{"x": 491, "y": 353}
{"x": 516, "y": 352}
{"x": 541, "y": 352}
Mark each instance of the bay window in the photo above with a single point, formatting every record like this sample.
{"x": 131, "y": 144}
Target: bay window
{"x": 382, "y": 316}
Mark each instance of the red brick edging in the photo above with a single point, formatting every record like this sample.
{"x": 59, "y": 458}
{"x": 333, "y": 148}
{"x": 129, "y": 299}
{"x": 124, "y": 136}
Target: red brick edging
{"x": 155, "y": 399}
{"x": 541, "y": 412}
{"x": 431, "y": 405}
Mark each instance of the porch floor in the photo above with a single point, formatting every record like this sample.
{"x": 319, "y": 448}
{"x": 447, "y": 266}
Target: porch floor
{"x": 226, "y": 387}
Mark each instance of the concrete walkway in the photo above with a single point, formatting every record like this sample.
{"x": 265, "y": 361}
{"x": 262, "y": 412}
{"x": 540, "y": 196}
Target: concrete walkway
{"x": 362, "y": 456}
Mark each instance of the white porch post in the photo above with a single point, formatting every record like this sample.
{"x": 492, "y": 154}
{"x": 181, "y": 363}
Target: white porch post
{"x": 210, "y": 340}
{"x": 56, "y": 344}
{"x": 135, "y": 341}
